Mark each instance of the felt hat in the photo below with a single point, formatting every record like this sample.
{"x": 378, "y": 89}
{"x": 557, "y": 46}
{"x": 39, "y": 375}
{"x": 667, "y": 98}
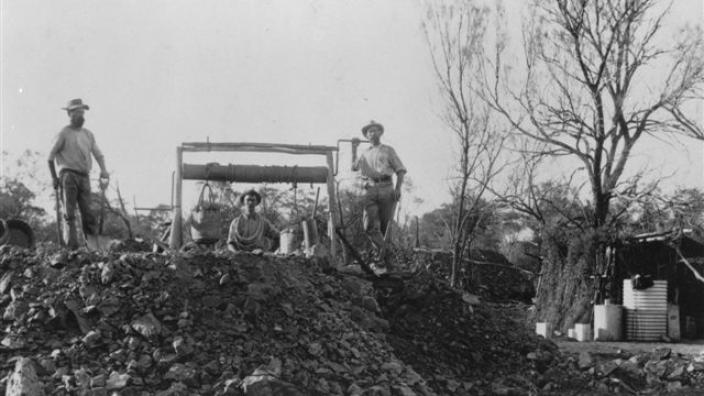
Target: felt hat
{"x": 74, "y": 104}
{"x": 372, "y": 123}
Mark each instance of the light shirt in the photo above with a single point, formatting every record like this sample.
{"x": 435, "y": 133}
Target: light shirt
{"x": 251, "y": 231}
{"x": 378, "y": 161}
{"x": 73, "y": 149}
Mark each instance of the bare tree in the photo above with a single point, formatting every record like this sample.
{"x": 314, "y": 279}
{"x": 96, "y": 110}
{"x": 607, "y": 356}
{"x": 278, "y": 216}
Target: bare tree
{"x": 456, "y": 33}
{"x": 590, "y": 91}
{"x": 597, "y": 78}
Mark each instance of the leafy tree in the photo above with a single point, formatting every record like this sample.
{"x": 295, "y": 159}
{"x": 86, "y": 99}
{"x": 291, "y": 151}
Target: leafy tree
{"x": 482, "y": 226}
{"x": 19, "y": 191}
{"x": 656, "y": 211}
{"x": 16, "y": 201}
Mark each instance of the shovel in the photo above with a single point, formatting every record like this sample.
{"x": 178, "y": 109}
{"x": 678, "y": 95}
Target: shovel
{"x": 387, "y": 233}
{"x": 93, "y": 241}
{"x": 103, "y": 183}
{"x": 59, "y": 228}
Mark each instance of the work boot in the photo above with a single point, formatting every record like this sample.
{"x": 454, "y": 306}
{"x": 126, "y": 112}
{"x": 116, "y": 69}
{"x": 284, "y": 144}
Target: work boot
{"x": 377, "y": 262}
{"x": 378, "y": 269}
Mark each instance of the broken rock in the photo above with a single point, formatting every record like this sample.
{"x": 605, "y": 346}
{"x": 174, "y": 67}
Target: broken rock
{"x": 585, "y": 360}
{"x": 117, "y": 380}
{"x": 24, "y": 380}
{"x": 147, "y": 325}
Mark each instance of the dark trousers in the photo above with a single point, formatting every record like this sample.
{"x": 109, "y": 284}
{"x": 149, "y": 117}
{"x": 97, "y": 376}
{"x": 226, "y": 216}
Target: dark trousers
{"x": 76, "y": 188}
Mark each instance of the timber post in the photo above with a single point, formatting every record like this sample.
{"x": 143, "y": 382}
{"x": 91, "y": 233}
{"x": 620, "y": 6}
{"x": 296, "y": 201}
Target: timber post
{"x": 177, "y": 217}
{"x": 333, "y": 221}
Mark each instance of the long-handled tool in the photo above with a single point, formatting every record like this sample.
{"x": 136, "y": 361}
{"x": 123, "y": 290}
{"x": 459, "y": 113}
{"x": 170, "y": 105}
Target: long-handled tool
{"x": 355, "y": 255}
{"x": 387, "y": 232}
{"x": 103, "y": 184}
{"x": 59, "y": 220}
{"x": 95, "y": 244}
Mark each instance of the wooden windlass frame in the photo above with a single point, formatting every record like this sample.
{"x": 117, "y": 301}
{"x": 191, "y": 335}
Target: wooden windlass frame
{"x": 254, "y": 174}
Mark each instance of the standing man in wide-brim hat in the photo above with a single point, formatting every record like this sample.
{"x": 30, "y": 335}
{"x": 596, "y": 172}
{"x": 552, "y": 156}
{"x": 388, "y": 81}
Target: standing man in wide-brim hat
{"x": 72, "y": 153}
{"x": 377, "y": 165}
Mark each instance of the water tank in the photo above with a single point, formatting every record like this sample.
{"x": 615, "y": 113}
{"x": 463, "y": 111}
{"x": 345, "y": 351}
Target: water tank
{"x": 646, "y": 311}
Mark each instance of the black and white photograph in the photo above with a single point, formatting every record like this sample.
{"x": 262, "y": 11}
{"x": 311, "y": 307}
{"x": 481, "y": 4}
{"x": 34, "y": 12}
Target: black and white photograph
{"x": 351, "y": 197}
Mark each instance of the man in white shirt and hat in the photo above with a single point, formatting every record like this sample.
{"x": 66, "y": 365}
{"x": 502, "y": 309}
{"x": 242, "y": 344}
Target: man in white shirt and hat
{"x": 72, "y": 151}
{"x": 377, "y": 165}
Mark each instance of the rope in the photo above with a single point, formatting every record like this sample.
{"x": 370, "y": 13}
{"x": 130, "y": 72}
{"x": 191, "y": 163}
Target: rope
{"x": 258, "y": 232}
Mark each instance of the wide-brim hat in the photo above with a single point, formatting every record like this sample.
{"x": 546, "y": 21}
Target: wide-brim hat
{"x": 252, "y": 193}
{"x": 372, "y": 124}
{"x": 74, "y": 104}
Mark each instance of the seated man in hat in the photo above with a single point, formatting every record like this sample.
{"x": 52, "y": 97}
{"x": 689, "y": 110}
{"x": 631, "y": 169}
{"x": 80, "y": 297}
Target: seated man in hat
{"x": 250, "y": 231}
{"x": 377, "y": 164}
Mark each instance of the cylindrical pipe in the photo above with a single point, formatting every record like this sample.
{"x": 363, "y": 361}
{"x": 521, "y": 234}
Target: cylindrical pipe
{"x": 333, "y": 220}
{"x": 256, "y": 173}
{"x": 175, "y": 240}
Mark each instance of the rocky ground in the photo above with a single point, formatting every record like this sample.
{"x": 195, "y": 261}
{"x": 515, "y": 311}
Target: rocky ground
{"x": 215, "y": 323}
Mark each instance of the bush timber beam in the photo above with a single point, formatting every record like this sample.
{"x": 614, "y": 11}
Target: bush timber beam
{"x": 256, "y": 173}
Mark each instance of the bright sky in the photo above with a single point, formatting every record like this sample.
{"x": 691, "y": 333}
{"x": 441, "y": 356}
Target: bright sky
{"x": 161, "y": 72}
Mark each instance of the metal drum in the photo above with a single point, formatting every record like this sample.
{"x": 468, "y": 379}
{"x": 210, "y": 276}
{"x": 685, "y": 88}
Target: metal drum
{"x": 287, "y": 241}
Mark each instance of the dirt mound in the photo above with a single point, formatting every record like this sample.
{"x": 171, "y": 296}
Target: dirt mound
{"x": 200, "y": 323}
{"x": 219, "y": 323}
{"x": 487, "y": 274}
{"x": 461, "y": 345}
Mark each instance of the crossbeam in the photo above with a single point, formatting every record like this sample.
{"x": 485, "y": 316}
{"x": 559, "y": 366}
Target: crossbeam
{"x": 256, "y": 173}
{"x": 258, "y": 147}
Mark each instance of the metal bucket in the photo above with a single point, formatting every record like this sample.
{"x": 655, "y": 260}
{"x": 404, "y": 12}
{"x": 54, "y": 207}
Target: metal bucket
{"x": 287, "y": 241}
{"x": 608, "y": 322}
{"x": 583, "y": 332}
{"x": 544, "y": 329}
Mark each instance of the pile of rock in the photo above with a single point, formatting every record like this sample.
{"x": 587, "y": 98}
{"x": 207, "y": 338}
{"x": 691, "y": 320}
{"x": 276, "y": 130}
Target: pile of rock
{"x": 205, "y": 323}
{"x": 656, "y": 372}
{"x": 217, "y": 323}
{"x": 463, "y": 346}
{"x": 485, "y": 273}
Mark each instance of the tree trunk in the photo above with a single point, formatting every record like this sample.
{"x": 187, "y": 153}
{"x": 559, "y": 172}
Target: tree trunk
{"x": 456, "y": 263}
{"x": 565, "y": 292}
